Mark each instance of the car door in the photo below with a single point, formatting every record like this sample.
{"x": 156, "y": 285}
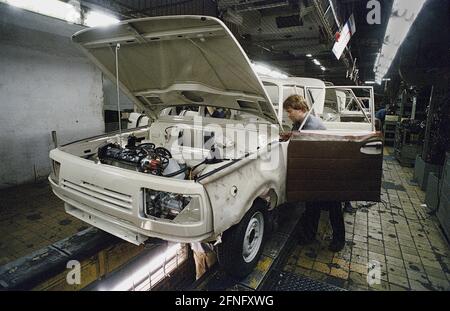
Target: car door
{"x": 342, "y": 163}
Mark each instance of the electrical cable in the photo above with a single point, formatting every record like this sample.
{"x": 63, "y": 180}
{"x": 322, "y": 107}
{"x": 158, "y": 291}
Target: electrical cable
{"x": 184, "y": 169}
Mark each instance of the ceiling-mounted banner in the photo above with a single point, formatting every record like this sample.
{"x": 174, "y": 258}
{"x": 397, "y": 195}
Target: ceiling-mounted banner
{"x": 348, "y": 30}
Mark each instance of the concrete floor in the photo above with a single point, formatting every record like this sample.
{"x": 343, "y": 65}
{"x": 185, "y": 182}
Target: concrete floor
{"x": 31, "y": 217}
{"x": 399, "y": 233}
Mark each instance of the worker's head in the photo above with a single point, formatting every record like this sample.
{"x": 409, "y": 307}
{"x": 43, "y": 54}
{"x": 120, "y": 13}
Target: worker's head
{"x": 296, "y": 108}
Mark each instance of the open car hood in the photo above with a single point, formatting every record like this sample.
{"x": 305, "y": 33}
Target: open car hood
{"x": 178, "y": 60}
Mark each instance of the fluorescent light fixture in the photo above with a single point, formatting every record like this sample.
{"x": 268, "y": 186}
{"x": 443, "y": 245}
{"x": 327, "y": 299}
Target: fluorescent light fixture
{"x": 157, "y": 262}
{"x": 323, "y": 68}
{"x": 315, "y": 61}
{"x": 52, "y": 8}
{"x": 402, "y": 17}
{"x": 309, "y": 55}
{"x": 264, "y": 70}
{"x": 369, "y": 82}
{"x": 96, "y": 19}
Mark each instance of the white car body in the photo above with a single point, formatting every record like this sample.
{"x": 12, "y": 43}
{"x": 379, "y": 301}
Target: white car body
{"x": 111, "y": 198}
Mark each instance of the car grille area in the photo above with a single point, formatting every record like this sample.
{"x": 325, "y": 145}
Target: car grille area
{"x": 106, "y": 196}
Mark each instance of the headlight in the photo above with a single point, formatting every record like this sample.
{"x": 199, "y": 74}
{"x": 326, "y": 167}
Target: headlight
{"x": 168, "y": 205}
{"x": 55, "y": 171}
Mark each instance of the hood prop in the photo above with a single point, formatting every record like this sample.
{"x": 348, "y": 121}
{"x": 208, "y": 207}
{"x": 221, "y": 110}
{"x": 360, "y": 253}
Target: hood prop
{"x": 118, "y": 91}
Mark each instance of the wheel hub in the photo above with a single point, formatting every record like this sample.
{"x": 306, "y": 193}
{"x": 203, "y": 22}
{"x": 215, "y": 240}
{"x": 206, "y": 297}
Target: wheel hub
{"x": 253, "y": 237}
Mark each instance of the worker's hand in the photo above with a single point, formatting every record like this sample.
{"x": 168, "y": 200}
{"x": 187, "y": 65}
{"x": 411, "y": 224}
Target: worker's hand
{"x": 285, "y": 136}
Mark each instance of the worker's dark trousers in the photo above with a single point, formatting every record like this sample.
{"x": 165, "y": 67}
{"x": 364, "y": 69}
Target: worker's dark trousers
{"x": 311, "y": 217}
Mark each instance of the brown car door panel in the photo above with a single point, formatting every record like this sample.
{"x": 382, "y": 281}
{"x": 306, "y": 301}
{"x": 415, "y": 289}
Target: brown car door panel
{"x": 324, "y": 167}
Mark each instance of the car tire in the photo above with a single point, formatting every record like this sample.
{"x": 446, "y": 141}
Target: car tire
{"x": 243, "y": 243}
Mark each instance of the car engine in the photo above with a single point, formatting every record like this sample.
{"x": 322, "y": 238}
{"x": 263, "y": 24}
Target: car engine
{"x": 145, "y": 158}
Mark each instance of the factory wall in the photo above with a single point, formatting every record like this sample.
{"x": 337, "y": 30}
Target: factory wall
{"x": 46, "y": 84}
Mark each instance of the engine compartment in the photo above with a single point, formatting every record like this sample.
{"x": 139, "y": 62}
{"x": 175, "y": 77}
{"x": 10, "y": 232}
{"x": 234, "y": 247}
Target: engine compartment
{"x": 174, "y": 147}
{"x": 144, "y": 158}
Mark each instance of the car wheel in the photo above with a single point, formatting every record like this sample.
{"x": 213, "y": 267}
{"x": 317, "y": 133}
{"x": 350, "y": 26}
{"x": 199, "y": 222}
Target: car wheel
{"x": 242, "y": 244}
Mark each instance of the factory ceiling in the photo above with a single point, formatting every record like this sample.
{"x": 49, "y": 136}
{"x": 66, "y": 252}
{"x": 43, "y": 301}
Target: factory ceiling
{"x": 286, "y": 34}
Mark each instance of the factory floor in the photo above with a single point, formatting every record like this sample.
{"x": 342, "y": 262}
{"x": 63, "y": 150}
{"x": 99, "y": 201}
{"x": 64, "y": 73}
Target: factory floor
{"x": 399, "y": 234}
{"x": 32, "y": 217}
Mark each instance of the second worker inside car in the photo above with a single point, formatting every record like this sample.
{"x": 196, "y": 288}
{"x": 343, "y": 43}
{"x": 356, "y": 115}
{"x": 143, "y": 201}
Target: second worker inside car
{"x": 297, "y": 110}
